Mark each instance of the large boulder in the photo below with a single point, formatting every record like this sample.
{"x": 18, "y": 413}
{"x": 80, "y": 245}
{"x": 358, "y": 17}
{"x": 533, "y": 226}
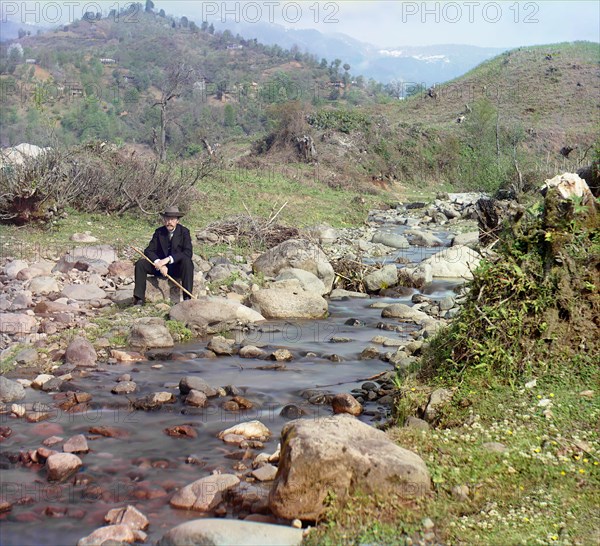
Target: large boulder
{"x": 296, "y": 253}
{"x": 17, "y": 324}
{"x": 224, "y": 532}
{"x": 150, "y": 333}
{"x": 82, "y": 292}
{"x": 340, "y": 454}
{"x": 404, "y": 312}
{"x": 44, "y": 284}
{"x": 382, "y": 278}
{"x": 81, "y": 352}
{"x": 277, "y": 303}
{"x": 308, "y": 281}
{"x": 570, "y": 185}
{"x": 393, "y": 240}
{"x": 10, "y": 391}
{"x": 204, "y": 494}
{"x": 454, "y": 262}
{"x": 210, "y": 315}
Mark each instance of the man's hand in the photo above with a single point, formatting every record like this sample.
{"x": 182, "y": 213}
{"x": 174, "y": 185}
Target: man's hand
{"x": 161, "y": 265}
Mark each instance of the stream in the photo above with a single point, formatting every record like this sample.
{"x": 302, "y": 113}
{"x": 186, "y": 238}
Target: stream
{"x": 145, "y": 466}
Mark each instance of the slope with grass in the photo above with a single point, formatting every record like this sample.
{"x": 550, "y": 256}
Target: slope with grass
{"x": 515, "y": 456}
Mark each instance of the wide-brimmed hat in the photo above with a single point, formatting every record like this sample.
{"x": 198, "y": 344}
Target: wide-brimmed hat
{"x": 172, "y": 212}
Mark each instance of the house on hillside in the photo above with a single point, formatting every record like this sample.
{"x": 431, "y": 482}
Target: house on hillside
{"x": 108, "y": 61}
{"x": 232, "y": 46}
{"x": 30, "y": 61}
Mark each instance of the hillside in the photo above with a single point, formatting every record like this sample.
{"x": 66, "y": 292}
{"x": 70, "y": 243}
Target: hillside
{"x": 509, "y": 123}
{"x": 527, "y": 113}
{"x": 99, "y": 78}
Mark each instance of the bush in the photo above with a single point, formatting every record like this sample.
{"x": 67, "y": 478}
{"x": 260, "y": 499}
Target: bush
{"x": 94, "y": 178}
{"x": 535, "y": 308}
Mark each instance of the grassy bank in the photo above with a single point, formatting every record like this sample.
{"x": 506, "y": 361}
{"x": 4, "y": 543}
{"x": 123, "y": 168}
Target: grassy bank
{"x": 307, "y": 200}
{"x": 515, "y": 456}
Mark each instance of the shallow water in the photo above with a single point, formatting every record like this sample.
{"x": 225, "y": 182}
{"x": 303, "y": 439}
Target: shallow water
{"x": 145, "y": 468}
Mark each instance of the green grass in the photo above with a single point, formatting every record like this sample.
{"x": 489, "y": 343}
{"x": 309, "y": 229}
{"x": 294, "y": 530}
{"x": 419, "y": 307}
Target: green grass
{"x": 542, "y": 490}
{"x": 229, "y": 193}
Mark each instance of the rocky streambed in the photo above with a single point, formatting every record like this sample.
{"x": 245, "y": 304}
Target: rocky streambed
{"x": 128, "y": 442}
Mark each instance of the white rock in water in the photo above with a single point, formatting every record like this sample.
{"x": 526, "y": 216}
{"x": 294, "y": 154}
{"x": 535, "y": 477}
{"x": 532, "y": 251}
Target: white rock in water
{"x": 249, "y": 430}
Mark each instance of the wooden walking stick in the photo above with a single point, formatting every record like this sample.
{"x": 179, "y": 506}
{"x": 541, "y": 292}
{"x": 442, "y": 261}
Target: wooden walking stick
{"x": 167, "y": 275}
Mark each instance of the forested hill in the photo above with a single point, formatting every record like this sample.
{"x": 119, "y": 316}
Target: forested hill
{"x": 99, "y": 77}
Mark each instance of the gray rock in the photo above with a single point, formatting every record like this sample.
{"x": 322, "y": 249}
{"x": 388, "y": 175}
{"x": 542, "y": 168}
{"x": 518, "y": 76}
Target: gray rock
{"x": 12, "y": 268}
{"x": 17, "y": 324}
{"x": 109, "y": 535}
{"x": 470, "y": 239}
{"x": 403, "y": 312}
{"x": 222, "y": 346}
{"x": 346, "y": 403}
{"x": 196, "y": 399}
{"x": 10, "y": 391}
{"x": 225, "y": 532}
{"x": 437, "y": 400}
{"x": 62, "y": 465}
{"x": 265, "y": 473}
{"x": 415, "y": 422}
{"x": 192, "y": 382}
{"x": 282, "y": 304}
{"x": 124, "y": 387}
{"x": 26, "y": 356}
{"x": 204, "y": 494}
{"x": 99, "y": 252}
{"x": 339, "y": 293}
{"x": 221, "y": 272}
{"x": 122, "y": 296}
{"x": 340, "y": 454}
{"x": 382, "y": 278}
{"x": 81, "y": 352}
{"x": 454, "y": 262}
{"x": 418, "y": 276}
{"x": 81, "y": 292}
{"x": 296, "y": 253}
{"x": 150, "y": 332}
{"x": 129, "y": 516}
{"x": 393, "y": 240}
{"x": 308, "y": 281}
{"x": 76, "y": 444}
{"x": 446, "y": 303}
{"x": 422, "y": 238}
{"x": 210, "y": 315}
{"x": 22, "y": 300}
{"x": 250, "y": 351}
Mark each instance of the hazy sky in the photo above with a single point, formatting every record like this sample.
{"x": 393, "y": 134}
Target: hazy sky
{"x": 381, "y": 22}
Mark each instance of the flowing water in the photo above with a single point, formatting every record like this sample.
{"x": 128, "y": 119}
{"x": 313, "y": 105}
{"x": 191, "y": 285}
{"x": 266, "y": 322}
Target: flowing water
{"x": 147, "y": 465}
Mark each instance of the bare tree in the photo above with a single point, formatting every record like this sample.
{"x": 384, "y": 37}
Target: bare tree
{"x": 177, "y": 78}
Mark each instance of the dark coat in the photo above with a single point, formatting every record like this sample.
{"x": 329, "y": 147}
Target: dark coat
{"x": 181, "y": 244}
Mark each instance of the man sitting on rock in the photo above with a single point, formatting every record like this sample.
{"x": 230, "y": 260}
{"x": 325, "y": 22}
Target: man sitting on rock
{"x": 171, "y": 251}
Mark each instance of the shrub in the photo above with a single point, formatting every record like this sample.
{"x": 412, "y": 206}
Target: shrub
{"x": 94, "y": 178}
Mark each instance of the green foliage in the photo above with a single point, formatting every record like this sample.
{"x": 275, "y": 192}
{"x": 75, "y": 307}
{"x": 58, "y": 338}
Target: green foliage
{"x": 532, "y": 308}
{"x": 345, "y": 121}
{"x": 179, "y": 331}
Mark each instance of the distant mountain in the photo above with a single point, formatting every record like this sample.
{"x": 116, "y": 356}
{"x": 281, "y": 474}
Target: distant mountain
{"x": 9, "y": 30}
{"x": 418, "y": 64}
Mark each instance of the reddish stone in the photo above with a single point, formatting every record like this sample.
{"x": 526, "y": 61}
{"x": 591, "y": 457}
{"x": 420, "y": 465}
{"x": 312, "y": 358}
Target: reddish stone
{"x": 5, "y": 432}
{"x": 47, "y": 429}
{"x": 55, "y": 511}
{"x": 109, "y": 432}
{"x": 181, "y": 431}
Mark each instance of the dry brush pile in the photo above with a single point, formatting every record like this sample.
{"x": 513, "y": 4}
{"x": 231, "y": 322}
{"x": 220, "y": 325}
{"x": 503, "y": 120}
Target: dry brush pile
{"x": 94, "y": 178}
